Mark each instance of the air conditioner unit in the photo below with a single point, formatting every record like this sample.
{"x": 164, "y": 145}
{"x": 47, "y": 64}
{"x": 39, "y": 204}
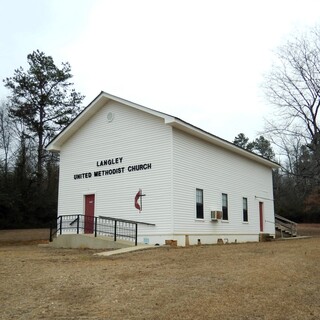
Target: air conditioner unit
{"x": 215, "y": 215}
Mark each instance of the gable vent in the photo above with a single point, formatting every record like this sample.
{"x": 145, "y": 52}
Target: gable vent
{"x": 110, "y": 117}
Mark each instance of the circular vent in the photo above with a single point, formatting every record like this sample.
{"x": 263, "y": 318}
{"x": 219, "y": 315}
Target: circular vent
{"x": 110, "y": 117}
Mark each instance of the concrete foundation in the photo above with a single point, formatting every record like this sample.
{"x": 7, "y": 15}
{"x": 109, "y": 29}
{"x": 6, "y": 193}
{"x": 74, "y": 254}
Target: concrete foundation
{"x": 81, "y": 241}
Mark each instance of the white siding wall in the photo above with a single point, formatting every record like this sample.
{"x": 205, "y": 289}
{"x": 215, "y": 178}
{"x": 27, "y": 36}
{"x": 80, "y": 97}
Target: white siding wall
{"x": 180, "y": 164}
{"x": 198, "y": 164}
{"x": 139, "y": 138}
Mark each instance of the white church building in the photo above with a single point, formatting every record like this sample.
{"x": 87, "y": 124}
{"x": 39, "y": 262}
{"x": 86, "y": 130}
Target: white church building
{"x": 124, "y": 161}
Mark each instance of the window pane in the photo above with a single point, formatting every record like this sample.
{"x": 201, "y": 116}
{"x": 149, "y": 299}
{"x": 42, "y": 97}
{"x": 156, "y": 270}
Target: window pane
{"x": 224, "y": 206}
{"x": 199, "y": 196}
{"x": 245, "y": 209}
{"x": 245, "y": 203}
{"x": 199, "y": 211}
{"x": 199, "y": 203}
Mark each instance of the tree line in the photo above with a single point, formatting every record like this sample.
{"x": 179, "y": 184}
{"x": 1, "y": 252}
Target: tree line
{"x": 43, "y": 101}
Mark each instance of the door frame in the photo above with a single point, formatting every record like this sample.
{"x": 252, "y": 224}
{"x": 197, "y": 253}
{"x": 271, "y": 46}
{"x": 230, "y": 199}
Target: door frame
{"x": 261, "y": 214}
{"x": 89, "y": 213}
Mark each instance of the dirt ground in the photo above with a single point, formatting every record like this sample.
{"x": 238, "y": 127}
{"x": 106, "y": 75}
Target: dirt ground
{"x": 311, "y": 229}
{"x": 270, "y": 280}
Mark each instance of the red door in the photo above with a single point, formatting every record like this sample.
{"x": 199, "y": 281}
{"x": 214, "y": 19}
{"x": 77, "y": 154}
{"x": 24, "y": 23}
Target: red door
{"x": 89, "y": 213}
{"x": 261, "y": 215}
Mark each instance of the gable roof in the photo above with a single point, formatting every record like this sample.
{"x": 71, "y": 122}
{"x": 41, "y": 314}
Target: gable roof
{"x": 101, "y": 100}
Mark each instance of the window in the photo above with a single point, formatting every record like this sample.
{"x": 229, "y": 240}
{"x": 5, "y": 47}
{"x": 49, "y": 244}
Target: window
{"x": 224, "y": 206}
{"x": 245, "y": 209}
{"x": 199, "y": 201}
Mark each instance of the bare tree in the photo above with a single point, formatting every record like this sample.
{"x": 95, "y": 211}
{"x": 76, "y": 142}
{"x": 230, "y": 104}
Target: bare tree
{"x": 5, "y": 137}
{"x": 293, "y": 86}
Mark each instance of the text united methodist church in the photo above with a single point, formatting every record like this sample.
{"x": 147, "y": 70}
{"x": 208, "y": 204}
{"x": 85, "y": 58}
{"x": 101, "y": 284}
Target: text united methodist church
{"x": 112, "y": 163}
{"x": 130, "y": 163}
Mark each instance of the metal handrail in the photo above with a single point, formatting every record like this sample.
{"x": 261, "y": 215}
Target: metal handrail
{"x": 76, "y": 219}
{"x": 118, "y": 228}
{"x": 124, "y": 220}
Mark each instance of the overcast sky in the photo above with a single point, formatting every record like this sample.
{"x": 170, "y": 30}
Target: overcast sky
{"x": 201, "y": 61}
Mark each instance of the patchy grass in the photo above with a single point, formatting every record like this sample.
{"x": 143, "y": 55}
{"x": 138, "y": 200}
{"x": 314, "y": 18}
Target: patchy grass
{"x": 24, "y": 236}
{"x": 272, "y": 280}
{"x": 309, "y": 229}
